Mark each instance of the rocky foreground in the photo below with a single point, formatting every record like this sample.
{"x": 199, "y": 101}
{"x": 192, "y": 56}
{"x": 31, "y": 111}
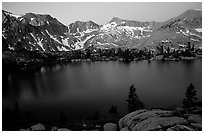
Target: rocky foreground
{"x": 149, "y": 120}
{"x": 162, "y": 120}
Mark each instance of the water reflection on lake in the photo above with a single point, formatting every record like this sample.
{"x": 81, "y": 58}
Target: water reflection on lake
{"x": 81, "y": 88}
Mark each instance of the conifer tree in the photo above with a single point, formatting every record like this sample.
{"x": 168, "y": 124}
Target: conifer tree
{"x": 190, "y": 97}
{"x": 133, "y": 100}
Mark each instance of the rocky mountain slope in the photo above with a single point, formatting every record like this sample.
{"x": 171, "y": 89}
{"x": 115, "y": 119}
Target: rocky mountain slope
{"x": 45, "y": 33}
{"x": 177, "y": 31}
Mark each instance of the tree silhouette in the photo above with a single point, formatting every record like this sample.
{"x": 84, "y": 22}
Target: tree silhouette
{"x": 88, "y": 53}
{"x": 126, "y": 55}
{"x": 133, "y": 100}
{"x": 149, "y": 55}
{"x": 193, "y": 47}
{"x": 168, "y": 50}
{"x": 190, "y": 97}
{"x": 188, "y": 45}
{"x": 160, "y": 49}
{"x": 119, "y": 52}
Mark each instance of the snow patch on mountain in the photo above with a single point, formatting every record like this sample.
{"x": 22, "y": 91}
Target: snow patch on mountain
{"x": 38, "y": 41}
{"x": 20, "y": 19}
{"x": 11, "y": 48}
{"x": 192, "y": 34}
{"x": 128, "y": 28}
{"x": 198, "y": 9}
{"x": 33, "y": 37}
{"x": 41, "y": 44}
{"x": 48, "y": 23}
{"x": 80, "y": 45}
{"x": 165, "y": 41}
{"x": 65, "y": 42}
{"x": 3, "y": 34}
{"x": 62, "y": 48}
{"x": 43, "y": 33}
{"x": 108, "y": 26}
{"x": 90, "y": 30}
{"x": 114, "y": 45}
{"x": 194, "y": 40}
{"x": 185, "y": 33}
{"x": 199, "y": 29}
{"x": 51, "y": 36}
{"x": 182, "y": 45}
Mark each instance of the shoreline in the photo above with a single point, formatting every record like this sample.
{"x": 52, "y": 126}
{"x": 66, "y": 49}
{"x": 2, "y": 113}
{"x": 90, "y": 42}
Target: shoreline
{"x": 35, "y": 64}
{"x": 178, "y": 119}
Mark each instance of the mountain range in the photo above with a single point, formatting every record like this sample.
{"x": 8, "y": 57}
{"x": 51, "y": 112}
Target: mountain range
{"x": 42, "y": 32}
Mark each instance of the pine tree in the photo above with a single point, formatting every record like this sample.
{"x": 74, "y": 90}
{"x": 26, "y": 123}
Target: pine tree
{"x": 161, "y": 49}
{"x": 193, "y": 47}
{"x": 188, "y": 45}
{"x": 190, "y": 97}
{"x": 120, "y": 52}
{"x": 168, "y": 50}
{"x": 88, "y": 53}
{"x": 133, "y": 100}
{"x": 149, "y": 54}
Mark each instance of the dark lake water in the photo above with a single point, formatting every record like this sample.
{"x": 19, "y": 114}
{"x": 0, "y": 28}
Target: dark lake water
{"x": 79, "y": 89}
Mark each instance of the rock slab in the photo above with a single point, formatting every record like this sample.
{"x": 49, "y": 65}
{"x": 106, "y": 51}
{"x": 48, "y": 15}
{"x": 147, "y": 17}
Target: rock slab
{"x": 110, "y": 127}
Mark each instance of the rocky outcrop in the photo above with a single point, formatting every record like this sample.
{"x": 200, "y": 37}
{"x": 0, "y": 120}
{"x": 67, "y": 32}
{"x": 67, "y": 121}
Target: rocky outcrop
{"x": 147, "y": 120}
{"x": 63, "y": 129}
{"x": 195, "y": 119}
{"x": 180, "y": 128}
{"x": 41, "y": 127}
{"x": 54, "y": 129}
{"x": 157, "y": 123}
{"x": 125, "y": 121}
{"x": 125, "y": 129}
{"x": 110, "y": 127}
{"x": 38, "y": 127}
{"x": 161, "y": 120}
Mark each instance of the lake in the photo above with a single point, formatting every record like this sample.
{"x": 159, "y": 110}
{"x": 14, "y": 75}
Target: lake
{"x": 80, "y": 89}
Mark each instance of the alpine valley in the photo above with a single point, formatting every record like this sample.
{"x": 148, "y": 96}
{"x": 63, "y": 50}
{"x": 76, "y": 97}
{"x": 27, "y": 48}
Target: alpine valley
{"x": 44, "y": 33}
{"x": 120, "y": 76}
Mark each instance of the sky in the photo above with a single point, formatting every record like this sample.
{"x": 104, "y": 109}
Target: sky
{"x": 102, "y": 12}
